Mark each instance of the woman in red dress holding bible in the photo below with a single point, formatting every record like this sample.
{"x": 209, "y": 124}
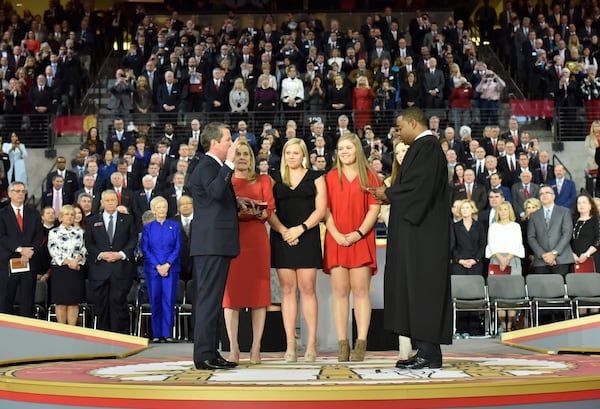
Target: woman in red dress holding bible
{"x": 249, "y": 280}
{"x": 350, "y": 256}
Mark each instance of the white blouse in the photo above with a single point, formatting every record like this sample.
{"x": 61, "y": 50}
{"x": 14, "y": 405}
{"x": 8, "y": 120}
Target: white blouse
{"x": 292, "y": 88}
{"x": 505, "y": 239}
{"x": 66, "y": 243}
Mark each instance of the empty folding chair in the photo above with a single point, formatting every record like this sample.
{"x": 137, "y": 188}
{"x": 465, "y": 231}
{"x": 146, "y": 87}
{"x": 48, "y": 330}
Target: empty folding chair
{"x": 470, "y": 294}
{"x": 507, "y": 293}
{"x": 584, "y": 291}
{"x": 547, "y": 291}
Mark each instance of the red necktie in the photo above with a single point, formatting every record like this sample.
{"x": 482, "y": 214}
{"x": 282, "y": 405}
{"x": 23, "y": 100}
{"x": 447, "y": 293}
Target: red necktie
{"x": 217, "y": 85}
{"x": 526, "y": 193}
{"x": 124, "y": 181}
{"x": 20, "y": 219}
{"x": 494, "y": 146}
{"x": 512, "y": 165}
{"x": 119, "y": 196}
{"x": 469, "y": 194}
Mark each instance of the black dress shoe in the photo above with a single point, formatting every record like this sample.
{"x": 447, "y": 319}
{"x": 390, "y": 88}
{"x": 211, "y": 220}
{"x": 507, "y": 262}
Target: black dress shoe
{"x": 401, "y": 363}
{"x": 224, "y": 362}
{"x": 212, "y": 364}
{"x": 420, "y": 363}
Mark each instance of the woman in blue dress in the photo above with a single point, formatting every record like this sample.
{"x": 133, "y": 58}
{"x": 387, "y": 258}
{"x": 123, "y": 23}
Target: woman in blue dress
{"x": 161, "y": 244}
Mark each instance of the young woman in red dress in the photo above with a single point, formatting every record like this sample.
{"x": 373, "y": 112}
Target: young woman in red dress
{"x": 249, "y": 280}
{"x": 350, "y": 255}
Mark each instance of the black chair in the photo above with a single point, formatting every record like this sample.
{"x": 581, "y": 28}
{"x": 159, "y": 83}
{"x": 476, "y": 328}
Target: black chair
{"x": 584, "y": 291}
{"x": 469, "y": 294}
{"x": 548, "y": 292}
{"x": 508, "y": 293}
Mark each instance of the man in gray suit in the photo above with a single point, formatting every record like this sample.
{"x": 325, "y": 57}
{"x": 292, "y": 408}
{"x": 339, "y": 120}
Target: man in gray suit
{"x": 522, "y": 191}
{"x": 549, "y": 235}
{"x": 433, "y": 84}
{"x": 121, "y": 91}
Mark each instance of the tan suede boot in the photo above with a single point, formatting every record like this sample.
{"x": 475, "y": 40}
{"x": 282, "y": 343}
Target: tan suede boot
{"x": 360, "y": 348}
{"x": 343, "y": 351}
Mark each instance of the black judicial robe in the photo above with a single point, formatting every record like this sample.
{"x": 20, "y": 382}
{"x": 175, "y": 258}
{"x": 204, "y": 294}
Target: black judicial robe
{"x": 417, "y": 280}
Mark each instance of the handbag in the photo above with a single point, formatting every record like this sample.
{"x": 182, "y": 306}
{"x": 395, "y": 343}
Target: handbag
{"x": 494, "y": 270}
{"x": 586, "y": 267}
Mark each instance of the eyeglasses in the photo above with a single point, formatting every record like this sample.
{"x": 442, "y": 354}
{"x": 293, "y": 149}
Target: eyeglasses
{"x": 19, "y": 190}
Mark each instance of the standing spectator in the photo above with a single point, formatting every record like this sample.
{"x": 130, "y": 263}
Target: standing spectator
{"x": 248, "y": 282}
{"x": 592, "y": 142}
{"x": 21, "y": 237}
{"x": 68, "y": 254}
{"x": 110, "y": 241}
{"x": 523, "y": 190}
{"x": 121, "y": 91}
{"x": 468, "y": 242}
{"x": 490, "y": 88}
{"x": 292, "y": 94}
{"x": 433, "y": 85}
{"x": 339, "y": 98}
{"x": 300, "y": 202}
{"x": 17, "y": 153}
{"x": 350, "y": 256}
{"x": 411, "y": 92}
{"x": 142, "y": 102}
{"x": 169, "y": 97}
{"x": 362, "y": 103}
{"x": 460, "y": 102}
{"x": 564, "y": 189}
{"x": 486, "y": 18}
{"x": 549, "y": 235}
{"x": 239, "y": 98}
{"x": 586, "y": 233}
{"x": 216, "y": 93}
{"x": 161, "y": 245}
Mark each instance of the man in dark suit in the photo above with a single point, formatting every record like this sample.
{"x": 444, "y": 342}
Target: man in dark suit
{"x": 174, "y": 192}
{"x": 433, "y": 84}
{"x": 471, "y": 190}
{"x": 110, "y": 240}
{"x": 124, "y": 195}
{"x": 216, "y": 92}
{"x": 565, "y": 191}
{"x": 119, "y": 134}
{"x": 545, "y": 172}
{"x": 93, "y": 191}
{"x": 142, "y": 198}
{"x": 71, "y": 184}
{"x": 215, "y": 216}
{"x": 169, "y": 97}
{"x": 184, "y": 218}
{"x": 130, "y": 180}
{"x": 20, "y": 237}
{"x": 41, "y": 102}
{"x": 56, "y": 197}
{"x": 549, "y": 235}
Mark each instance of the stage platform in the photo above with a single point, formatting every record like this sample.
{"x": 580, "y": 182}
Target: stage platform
{"x": 477, "y": 373}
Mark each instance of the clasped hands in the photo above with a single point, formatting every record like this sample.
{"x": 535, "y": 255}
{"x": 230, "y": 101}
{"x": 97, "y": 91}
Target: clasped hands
{"x": 346, "y": 240}
{"x": 467, "y": 263}
{"x": 110, "y": 256}
{"x": 72, "y": 263}
{"x": 163, "y": 269}
{"x": 26, "y": 254}
{"x": 549, "y": 258}
{"x": 292, "y": 235}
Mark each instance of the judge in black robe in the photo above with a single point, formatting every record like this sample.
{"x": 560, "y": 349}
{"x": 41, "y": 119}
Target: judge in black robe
{"x": 417, "y": 281}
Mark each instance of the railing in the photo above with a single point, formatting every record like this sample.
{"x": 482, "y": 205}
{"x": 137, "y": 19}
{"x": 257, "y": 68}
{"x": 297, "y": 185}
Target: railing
{"x": 34, "y": 130}
{"x": 91, "y": 101}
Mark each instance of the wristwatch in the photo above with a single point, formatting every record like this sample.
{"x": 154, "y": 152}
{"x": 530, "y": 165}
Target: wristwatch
{"x": 554, "y": 253}
{"x": 19, "y": 249}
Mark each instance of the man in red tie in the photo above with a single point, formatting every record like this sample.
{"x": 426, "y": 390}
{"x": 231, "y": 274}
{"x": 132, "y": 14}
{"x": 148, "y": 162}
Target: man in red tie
{"x": 20, "y": 239}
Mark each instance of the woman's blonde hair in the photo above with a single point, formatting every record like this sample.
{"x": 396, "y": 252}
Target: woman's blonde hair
{"x": 511, "y": 212}
{"x": 64, "y": 210}
{"x": 252, "y": 165}
{"x": 158, "y": 199}
{"x": 395, "y": 164}
{"x": 284, "y": 169}
{"x": 362, "y": 165}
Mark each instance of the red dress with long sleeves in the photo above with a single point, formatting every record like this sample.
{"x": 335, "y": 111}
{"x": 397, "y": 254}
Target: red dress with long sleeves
{"x": 249, "y": 280}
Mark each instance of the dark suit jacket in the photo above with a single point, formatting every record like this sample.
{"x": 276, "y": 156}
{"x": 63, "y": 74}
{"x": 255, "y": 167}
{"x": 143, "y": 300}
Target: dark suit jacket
{"x": 187, "y": 263}
{"x": 171, "y": 197}
{"x": 127, "y": 139}
{"x": 215, "y": 210}
{"x": 96, "y": 241}
{"x": 11, "y": 237}
{"x": 538, "y": 177}
{"x": 479, "y": 195}
{"x": 96, "y": 193}
{"x": 40, "y": 98}
{"x": 71, "y": 183}
{"x": 127, "y": 196}
{"x": 164, "y": 98}
{"x": 140, "y": 205}
{"x": 557, "y": 237}
{"x": 48, "y": 198}
{"x": 518, "y": 196}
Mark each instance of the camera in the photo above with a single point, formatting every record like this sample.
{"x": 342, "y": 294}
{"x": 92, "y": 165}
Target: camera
{"x": 489, "y": 76}
{"x": 270, "y": 132}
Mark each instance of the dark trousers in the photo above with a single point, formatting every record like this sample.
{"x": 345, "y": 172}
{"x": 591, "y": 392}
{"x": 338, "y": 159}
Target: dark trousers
{"x": 110, "y": 302}
{"x": 20, "y": 289}
{"x": 561, "y": 269}
{"x": 211, "y": 276}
